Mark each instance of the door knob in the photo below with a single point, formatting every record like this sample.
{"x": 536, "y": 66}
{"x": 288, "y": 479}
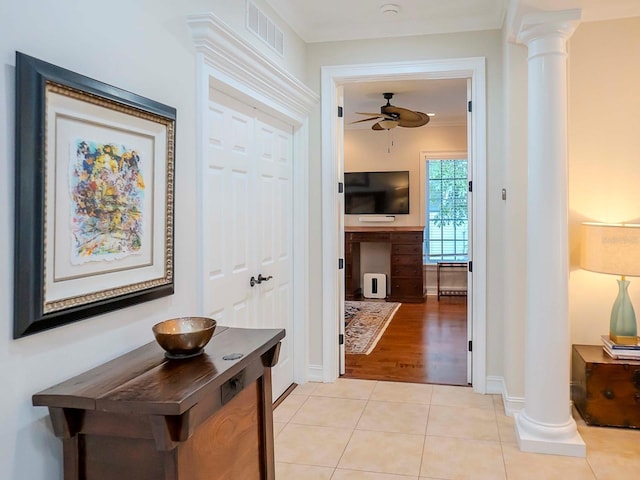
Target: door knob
{"x": 257, "y": 281}
{"x": 264, "y": 279}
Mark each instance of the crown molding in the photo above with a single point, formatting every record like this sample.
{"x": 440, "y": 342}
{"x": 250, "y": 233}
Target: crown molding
{"x": 238, "y": 62}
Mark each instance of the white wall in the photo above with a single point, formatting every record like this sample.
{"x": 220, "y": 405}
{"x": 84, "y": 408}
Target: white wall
{"x": 473, "y": 44}
{"x": 143, "y": 47}
{"x": 514, "y": 217}
{"x": 369, "y": 150}
{"x": 604, "y": 158}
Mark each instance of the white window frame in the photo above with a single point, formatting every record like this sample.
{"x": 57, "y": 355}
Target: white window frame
{"x": 424, "y": 159}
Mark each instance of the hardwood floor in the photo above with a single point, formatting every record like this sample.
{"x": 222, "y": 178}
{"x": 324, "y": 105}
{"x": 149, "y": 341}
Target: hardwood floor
{"x": 424, "y": 343}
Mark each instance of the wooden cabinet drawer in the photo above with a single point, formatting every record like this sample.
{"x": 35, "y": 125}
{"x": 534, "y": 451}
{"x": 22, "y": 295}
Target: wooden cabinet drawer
{"x": 406, "y": 237}
{"x": 414, "y": 260}
{"x": 406, "y": 287}
{"x": 406, "y": 271}
{"x": 368, "y": 236}
{"x": 605, "y": 391}
{"x": 402, "y": 248}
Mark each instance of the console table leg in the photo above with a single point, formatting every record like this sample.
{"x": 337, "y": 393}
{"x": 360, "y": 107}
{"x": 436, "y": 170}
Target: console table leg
{"x": 268, "y": 450}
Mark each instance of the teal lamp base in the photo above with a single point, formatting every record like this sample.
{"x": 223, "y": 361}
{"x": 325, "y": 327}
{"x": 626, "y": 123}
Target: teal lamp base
{"x": 623, "y": 328}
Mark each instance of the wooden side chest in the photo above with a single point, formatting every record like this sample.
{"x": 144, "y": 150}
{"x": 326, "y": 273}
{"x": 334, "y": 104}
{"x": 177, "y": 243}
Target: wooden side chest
{"x": 605, "y": 391}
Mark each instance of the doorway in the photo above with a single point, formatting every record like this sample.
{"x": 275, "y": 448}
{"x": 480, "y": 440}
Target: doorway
{"x": 426, "y": 341}
{"x": 333, "y": 231}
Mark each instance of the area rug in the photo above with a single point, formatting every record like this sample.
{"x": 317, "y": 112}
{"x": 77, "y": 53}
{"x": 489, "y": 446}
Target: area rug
{"x": 365, "y": 322}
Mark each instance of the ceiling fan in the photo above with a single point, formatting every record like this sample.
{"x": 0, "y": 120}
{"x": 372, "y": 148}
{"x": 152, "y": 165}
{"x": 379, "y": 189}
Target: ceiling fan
{"x": 391, "y": 117}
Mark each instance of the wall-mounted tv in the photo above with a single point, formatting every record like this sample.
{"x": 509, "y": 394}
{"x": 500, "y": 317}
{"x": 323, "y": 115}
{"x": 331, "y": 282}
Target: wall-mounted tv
{"x": 383, "y": 193}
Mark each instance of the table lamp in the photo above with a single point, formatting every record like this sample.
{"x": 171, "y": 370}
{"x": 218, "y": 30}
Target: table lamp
{"x": 615, "y": 249}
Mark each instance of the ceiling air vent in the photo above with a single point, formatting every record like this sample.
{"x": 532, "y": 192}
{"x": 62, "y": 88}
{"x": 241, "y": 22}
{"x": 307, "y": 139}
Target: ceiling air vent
{"x": 264, "y": 28}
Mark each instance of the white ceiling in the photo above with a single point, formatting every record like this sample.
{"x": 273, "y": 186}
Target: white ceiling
{"x": 333, "y": 20}
{"x": 336, "y": 20}
{"x": 329, "y": 20}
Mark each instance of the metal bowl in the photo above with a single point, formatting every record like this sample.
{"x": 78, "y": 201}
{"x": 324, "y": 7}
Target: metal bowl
{"x": 184, "y": 337}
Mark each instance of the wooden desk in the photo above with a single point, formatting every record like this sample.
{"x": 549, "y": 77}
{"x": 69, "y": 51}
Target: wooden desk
{"x": 144, "y": 417}
{"x": 407, "y": 274}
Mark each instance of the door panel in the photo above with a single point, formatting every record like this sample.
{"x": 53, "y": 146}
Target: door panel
{"x": 247, "y": 215}
{"x": 274, "y": 176}
{"x": 227, "y": 232}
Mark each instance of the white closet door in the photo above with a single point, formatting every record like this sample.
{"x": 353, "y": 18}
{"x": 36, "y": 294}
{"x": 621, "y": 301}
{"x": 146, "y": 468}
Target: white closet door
{"x": 228, "y": 228}
{"x": 247, "y": 215}
{"x": 274, "y": 302}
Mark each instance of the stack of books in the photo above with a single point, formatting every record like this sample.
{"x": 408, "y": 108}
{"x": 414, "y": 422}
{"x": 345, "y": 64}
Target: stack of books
{"x": 620, "y": 352}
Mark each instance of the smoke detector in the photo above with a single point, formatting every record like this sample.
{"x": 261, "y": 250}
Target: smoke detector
{"x": 390, "y": 9}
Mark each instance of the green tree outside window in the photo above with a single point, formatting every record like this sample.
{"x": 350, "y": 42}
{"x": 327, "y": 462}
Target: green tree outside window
{"x": 447, "y": 222}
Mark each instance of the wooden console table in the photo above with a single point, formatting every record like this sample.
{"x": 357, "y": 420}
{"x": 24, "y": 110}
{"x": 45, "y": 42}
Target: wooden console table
{"x": 143, "y": 417}
{"x": 407, "y": 273}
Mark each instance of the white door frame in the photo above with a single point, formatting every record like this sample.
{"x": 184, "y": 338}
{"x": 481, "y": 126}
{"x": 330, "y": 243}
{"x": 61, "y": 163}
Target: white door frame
{"x": 228, "y": 62}
{"x": 332, "y": 78}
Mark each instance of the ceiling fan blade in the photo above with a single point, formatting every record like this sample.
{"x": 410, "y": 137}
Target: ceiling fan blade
{"x": 379, "y": 115}
{"x": 424, "y": 119}
{"x": 376, "y": 126}
{"x": 367, "y": 119}
{"x": 403, "y": 113}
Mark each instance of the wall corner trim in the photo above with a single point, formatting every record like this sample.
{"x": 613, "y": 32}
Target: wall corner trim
{"x": 315, "y": 373}
{"x": 497, "y": 386}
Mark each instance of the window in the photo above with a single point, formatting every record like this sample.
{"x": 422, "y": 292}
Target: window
{"x": 447, "y": 225}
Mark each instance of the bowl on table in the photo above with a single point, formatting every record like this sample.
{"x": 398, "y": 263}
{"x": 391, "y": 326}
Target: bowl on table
{"x": 184, "y": 337}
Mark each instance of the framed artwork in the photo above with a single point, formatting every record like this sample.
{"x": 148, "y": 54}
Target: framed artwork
{"x": 94, "y": 197}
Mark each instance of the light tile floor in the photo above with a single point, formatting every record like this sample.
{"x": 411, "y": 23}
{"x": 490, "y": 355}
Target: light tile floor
{"x": 372, "y": 430}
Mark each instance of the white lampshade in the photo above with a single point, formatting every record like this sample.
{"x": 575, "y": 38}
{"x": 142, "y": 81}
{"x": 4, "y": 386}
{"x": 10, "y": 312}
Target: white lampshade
{"x": 611, "y": 248}
{"x": 388, "y": 124}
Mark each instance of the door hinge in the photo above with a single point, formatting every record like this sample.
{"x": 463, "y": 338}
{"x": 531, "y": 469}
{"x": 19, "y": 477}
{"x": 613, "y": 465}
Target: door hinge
{"x": 340, "y": 187}
{"x": 471, "y": 345}
{"x": 340, "y": 263}
{"x": 341, "y": 339}
{"x": 469, "y": 106}
{"x": 471, "y": 266}
{"x": 470, "y": 186}
{"x": 340, "y": 112}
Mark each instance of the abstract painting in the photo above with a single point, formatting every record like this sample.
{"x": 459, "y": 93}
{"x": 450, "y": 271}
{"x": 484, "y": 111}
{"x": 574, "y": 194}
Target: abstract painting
{"x": 107, "y": 193}
{"x": 94, "y": 199}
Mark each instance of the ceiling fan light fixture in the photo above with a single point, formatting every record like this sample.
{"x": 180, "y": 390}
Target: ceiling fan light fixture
{"x": 388, "y": 124}
{"x": 390, "y": 9}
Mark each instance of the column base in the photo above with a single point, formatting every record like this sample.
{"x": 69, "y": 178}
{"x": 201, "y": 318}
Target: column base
{"x": 552, "y": 439}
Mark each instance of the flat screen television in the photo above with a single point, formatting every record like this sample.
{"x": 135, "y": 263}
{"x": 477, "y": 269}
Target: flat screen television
{"x": 382, "y": 193}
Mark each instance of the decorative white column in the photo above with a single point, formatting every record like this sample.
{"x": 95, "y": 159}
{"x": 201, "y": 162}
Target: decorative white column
{"x": 546, "y": 425}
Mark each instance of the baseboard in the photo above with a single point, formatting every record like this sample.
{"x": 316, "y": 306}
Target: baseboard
{"x": 497, "y": 386}
{"x": 315, "y": 373}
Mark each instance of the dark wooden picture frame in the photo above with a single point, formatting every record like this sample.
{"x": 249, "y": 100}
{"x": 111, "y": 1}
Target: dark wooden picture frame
{"x": 53, "y": 283}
